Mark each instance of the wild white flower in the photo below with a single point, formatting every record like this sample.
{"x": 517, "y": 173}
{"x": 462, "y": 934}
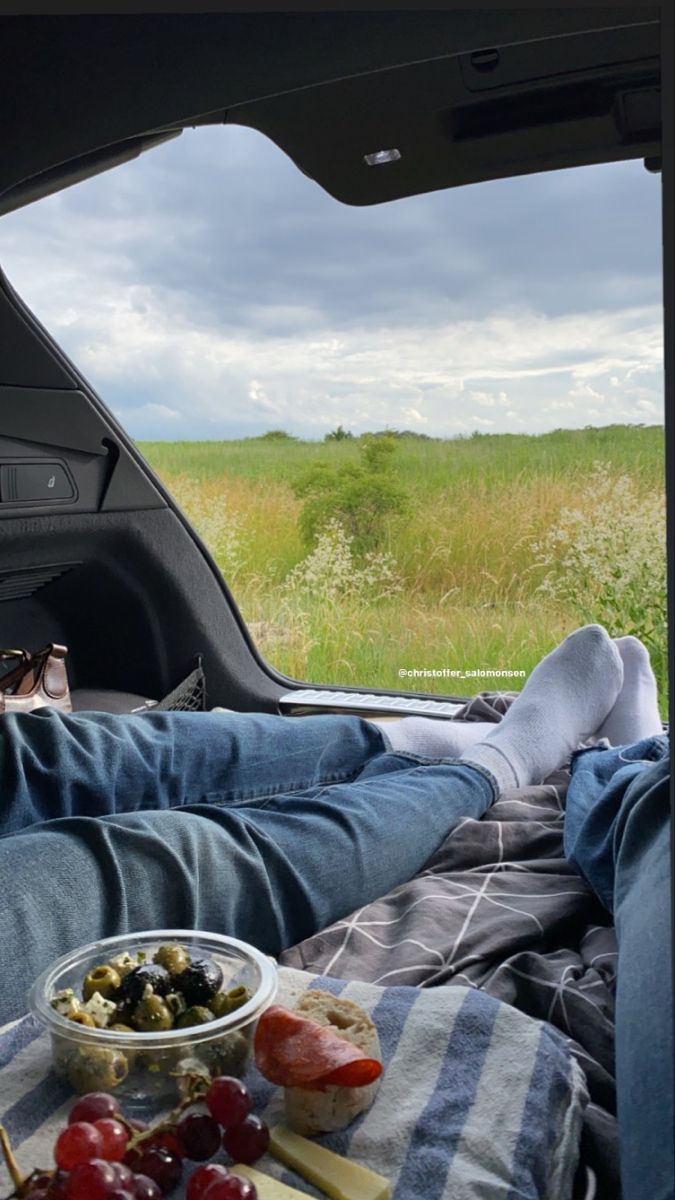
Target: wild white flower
{"x": 220, "y": 529}
{"x": 606, "y": 557}
{"x": 331, "y": 570}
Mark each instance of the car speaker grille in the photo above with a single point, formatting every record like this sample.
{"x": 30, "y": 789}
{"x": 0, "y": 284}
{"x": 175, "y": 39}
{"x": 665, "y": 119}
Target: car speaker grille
{"x": 24, "y": 582}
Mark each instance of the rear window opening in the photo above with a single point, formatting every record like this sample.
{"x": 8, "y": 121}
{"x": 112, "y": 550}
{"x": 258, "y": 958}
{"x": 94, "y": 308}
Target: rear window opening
{"x": 422, "y": 440}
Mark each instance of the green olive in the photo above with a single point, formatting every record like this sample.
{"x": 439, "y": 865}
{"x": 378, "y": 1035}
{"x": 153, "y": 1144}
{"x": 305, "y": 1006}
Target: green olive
{"x": 151, "y": 1015}
{"x": 104, "y": 980}
{"x": 174, "y": 959}
{"x": 197, "y": 1015}
{"x": 96, "y": 1069}
{"x": 226, "y": 1002}
{"x": 228, "y": 1055}
{"x": 238, "y": 996}
{"x": 82, "y": 1018}
{"x": 220, "y": 1004}
{"x": 120, "y": 1027}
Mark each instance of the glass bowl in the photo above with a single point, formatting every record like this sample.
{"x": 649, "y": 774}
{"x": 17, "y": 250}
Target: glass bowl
{"x": 144, "y": 1069}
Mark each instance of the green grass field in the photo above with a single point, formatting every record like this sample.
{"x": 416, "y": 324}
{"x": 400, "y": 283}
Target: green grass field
{"x": 490, "y": 519}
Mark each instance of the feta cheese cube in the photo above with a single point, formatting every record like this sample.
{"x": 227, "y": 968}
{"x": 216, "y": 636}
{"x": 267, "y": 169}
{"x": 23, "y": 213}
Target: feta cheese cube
{"x": 65, "y": 1002}
{"x": 100, "y": 1009}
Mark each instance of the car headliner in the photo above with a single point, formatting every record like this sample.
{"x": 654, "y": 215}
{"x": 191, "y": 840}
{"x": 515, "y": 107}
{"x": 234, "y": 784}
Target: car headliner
{"x": 461, "y": 95}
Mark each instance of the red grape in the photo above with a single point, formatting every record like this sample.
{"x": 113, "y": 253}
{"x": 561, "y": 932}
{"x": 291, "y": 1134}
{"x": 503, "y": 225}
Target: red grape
{"x": 39, "y": 1185}
{"x": 235, "y": 1187}
{"x": 200, "y": 1135}
{"x": 92, "y": 1180}
{"x": 203, "y": 1178}
{"x": 161, "y": 1166}
{"x": 94, "y": 1107}
{"x": 123, "y": 1174}
{"x": 57, "y": 1190}
{"x": 248, "y": 1141}
{"x": 77, "y": 1143}
{"x": 228, "y": 1101}
{"x": 168, "y": 1139}
{"x": 132, "y": 1157}
{"x": 145, "y": 1189}
{"x": 121, "y": 1194}
{"x": 115, "y": 1137}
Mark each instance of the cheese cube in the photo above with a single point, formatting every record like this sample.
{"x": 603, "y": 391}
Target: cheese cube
{"x": 100, "y": 1009}
{"x": 65, "y": 1002}
{"x": 335, "y": 1175}
{"x": 123, "y": 963}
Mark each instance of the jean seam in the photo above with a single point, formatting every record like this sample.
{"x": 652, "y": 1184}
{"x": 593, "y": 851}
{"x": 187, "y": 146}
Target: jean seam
{"x": 450, "y": 760}
{"x": 284, "y": 789}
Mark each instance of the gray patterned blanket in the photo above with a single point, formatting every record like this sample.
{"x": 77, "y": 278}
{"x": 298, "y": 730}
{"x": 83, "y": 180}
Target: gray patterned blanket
{"x": 498, "y": 908}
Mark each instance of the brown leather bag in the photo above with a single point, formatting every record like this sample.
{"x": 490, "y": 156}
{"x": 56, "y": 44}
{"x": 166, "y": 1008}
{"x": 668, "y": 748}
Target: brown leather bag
{"x": 38, "y": 679}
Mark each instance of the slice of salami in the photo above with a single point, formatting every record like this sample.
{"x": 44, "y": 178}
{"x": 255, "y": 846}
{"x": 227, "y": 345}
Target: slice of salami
{"x": 293, "y": 1051}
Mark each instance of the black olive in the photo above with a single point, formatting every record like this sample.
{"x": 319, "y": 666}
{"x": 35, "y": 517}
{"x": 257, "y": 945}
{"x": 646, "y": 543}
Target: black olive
{"x": 134, "y": 984}
{"x": 199, "y": 982}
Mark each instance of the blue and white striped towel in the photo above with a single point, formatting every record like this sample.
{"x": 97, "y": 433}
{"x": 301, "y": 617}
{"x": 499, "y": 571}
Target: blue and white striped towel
{"x": 477, "y": 1100}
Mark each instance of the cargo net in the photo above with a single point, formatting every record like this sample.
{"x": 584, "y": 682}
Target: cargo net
{"x": 188, "y": 696}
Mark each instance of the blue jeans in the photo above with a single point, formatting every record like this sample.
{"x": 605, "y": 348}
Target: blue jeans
{"x": 617, "y": 835}
{"x": 265, "y": 828}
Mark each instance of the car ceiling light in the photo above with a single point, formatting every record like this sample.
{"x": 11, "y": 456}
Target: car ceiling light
{"x": 380, "y": 157}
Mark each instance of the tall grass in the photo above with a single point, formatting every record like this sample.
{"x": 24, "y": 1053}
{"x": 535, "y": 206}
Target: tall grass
{"x": 470, "y": 577}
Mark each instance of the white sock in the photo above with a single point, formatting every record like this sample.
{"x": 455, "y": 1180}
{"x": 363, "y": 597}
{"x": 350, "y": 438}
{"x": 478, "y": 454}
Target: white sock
{"x": 636, "y": 712}
{"x": 566, "y": 698}
{"x": 432, "y": 737}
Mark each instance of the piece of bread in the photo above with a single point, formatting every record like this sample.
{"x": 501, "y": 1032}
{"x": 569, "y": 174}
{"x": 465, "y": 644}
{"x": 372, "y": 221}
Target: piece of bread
{"x": 310, "y": 1111}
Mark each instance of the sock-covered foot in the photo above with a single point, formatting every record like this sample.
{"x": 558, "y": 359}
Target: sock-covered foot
{"x": 635, "y": 714}
{"x": 431, "y": 737}
{"x": 566, "y": 698}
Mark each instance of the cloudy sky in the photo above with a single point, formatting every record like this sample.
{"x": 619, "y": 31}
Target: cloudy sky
{"x": 210, "y": 290}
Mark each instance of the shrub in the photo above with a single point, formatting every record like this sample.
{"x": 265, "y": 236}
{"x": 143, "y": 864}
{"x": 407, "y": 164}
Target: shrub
{"x": 338, "y": 435}
{"x": 361, "y": 496}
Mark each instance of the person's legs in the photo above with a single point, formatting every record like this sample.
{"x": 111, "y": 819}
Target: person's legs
{"x": 618, "y": 837}
{"x": 55, "y": 764}
{"x": 269, "y": 828}
{"x": 269, "y": 871}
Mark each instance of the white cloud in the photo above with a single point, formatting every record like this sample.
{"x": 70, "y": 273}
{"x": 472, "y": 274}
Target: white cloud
{"x": 584, "y": 391}
{"x": 108, "y": 271}
{"x": 163, "y": 411}
{"x": 138, "y": 338}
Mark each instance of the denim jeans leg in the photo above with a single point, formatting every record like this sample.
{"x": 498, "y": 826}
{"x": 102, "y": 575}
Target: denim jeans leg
{"x": 55, "y": 764}
{"x": 271, "y": 871}
{"x": 644, "y": 998}
{"x": 619, "y": 838}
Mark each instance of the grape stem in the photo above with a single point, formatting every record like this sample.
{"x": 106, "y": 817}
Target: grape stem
{"x": 197, "y": 1091}
{"x": 18, "y": 1179}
